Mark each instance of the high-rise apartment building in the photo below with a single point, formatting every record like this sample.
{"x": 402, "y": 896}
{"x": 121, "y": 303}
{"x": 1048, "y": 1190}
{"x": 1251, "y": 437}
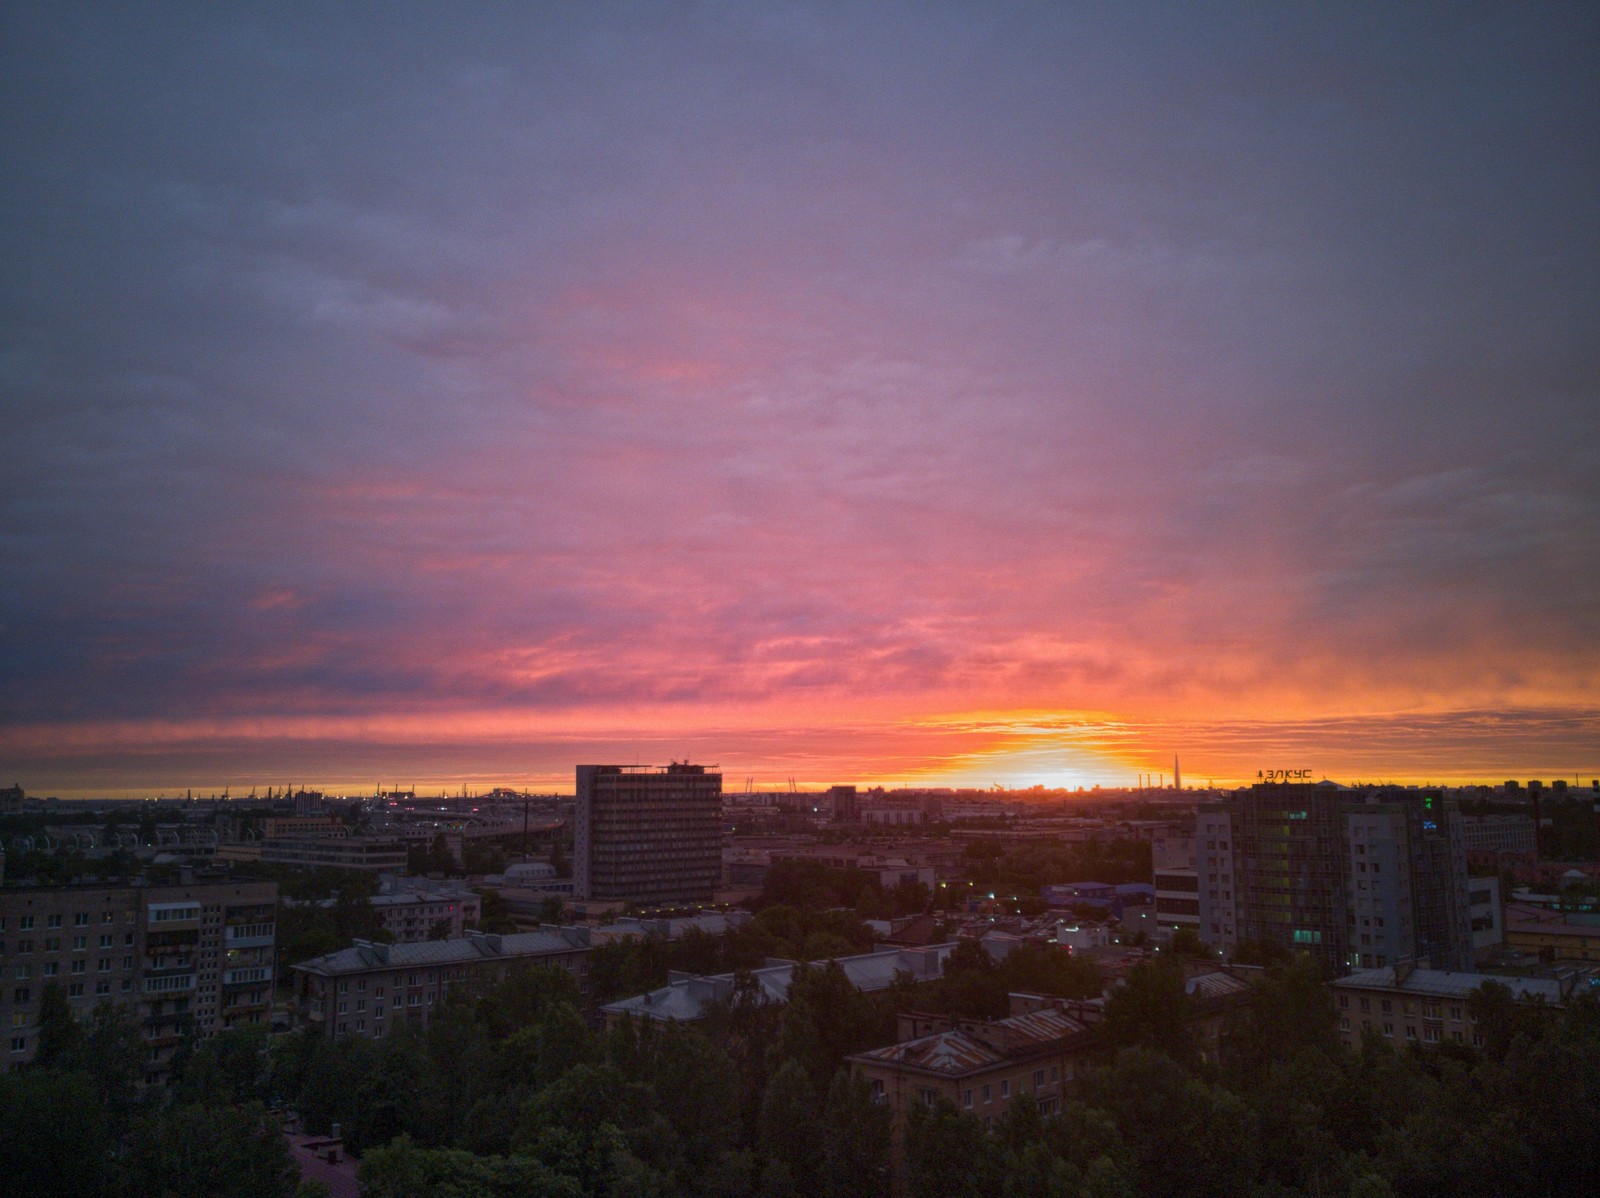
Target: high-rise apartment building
{"x": 646, "y": 834}
{"x": 1361, "y": 879}
{"x": 190, "y": 958}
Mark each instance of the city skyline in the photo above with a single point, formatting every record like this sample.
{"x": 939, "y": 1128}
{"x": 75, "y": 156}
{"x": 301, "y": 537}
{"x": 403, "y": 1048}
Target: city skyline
{"x": 935, "y": 395}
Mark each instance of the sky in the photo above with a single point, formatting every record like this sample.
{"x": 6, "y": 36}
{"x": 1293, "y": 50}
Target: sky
{"x": 968, "y": 394}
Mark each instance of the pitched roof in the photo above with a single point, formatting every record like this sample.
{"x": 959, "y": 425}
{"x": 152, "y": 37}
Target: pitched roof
{"x": 979, "y": 1045}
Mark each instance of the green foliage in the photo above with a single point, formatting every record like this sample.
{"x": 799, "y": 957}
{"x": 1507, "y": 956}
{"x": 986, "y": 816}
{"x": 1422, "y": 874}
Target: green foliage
{"x": 230, "y": 1067}
{"x": 208, "y": 1152}
{"x": 482, "y": 857}
{"x": 639, "y": 963}
{"x": 509, "y": 1091}
{"x": 813, "y": 886}
{"x": 949, "y": 1154}
{"x": 440, "y": 859}
{"x": 975, "y": 986}
{"x": 55, "y": 1138}
{"x": 854, "y": 1141}
{"x": 401, "y": 1169}
{"x": 1287, "y": 1011}
{"x": 1151, "y": 1010}
{"x": 495, "y": 915}
{"x": 335, "y": 909}
{"x": 1025, "y": 869}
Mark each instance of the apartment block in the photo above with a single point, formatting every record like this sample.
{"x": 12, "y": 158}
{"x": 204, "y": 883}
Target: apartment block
{"x": 647, "y": 835}
{"x": 370, "y": 989}
{"x": 1411, "y": 1006}
{"x": 196, "y": 957}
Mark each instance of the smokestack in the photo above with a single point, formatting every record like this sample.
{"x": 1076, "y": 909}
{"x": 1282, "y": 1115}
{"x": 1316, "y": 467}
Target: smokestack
{"x": 1177, "y": 776}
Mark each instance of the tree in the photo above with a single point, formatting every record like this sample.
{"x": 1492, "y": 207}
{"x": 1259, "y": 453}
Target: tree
{"x": 440, "y": 858}
{"x": 948, "y": 1155}
{"x": 1501, "y": 1018}
{"x": 1287, "y": 1011}
{"x": 228, "y": 1068}
{"x": 60, "y": 1036}
{"x": 790, "y": 1127}
{"x": 1150, "y": 1008}
{"x": 1186, "y": 1137}
{"x": 54, "y": 1137}
{"x": 209, "y": 1152}
{"x": 854, "y": 1141}
{"x": 403, "y": 1170}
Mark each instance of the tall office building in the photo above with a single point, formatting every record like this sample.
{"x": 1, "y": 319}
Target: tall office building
{"x": 1361, "y": 879}
{"x": 647, "y": 834}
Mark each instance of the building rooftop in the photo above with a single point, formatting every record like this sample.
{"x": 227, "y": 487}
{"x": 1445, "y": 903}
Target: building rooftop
{"x": 364, "y": 955}
{"x": 684, "y": 998}
{"x": 979, "y": 1045}
{"x": 1446, "y": 984}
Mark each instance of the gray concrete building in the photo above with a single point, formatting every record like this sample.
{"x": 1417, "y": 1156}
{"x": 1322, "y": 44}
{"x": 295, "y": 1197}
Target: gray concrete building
{"x": 647, "y": 835}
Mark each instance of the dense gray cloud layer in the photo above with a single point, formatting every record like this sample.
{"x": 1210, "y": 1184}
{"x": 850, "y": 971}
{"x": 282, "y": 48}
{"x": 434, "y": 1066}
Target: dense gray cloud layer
{"x": 377, "y": 358}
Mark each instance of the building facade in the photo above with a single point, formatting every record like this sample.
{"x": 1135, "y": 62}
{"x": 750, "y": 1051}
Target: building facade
{"x": 192, "y": 958}
{"x": 647, "y": 835}
{"x": 1409, "y": 1006}
{"x": 979, "y": 1066}
{"x": 374, "y": 854}
{"x": 1177, "y": 882}
{"x": 371, "y": 989}
{"x": 1359, "y": 879}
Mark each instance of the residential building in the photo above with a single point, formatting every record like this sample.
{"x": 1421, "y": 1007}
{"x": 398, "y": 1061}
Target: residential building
{"x": 370, "y": 989}
{"x": 1485, "y": 910}
{"x": 416, "y": 909}
{"x": 685, "y": 997}
{"x": 1360, "y": 879}
{"x": 647, "y": 835}
{"x": 190, "y": 958}
{"x": 1176, "y": 881}
{"x": 1407, "y": 1005}
{"x": 980, "y": 1066}
{"x": 1214, "y": 856}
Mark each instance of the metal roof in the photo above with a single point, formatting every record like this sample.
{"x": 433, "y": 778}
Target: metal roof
{"x": 1447, "y": 984}
{"x": 974, "y": 1047}
{"x": 684, "y": 999}
{"x": 361, "y": 957}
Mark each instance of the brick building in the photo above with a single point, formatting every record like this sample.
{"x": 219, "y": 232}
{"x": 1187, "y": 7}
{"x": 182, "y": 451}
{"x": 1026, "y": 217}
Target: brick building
{"x": 369, "y": 989}
{"x": 195, "y": 957}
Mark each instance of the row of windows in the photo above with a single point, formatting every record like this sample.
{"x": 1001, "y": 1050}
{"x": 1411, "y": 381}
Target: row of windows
{"x": 80, "y": 919}
{"x": 23, "y": 995}
{"x": 1430, "y": 1035}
